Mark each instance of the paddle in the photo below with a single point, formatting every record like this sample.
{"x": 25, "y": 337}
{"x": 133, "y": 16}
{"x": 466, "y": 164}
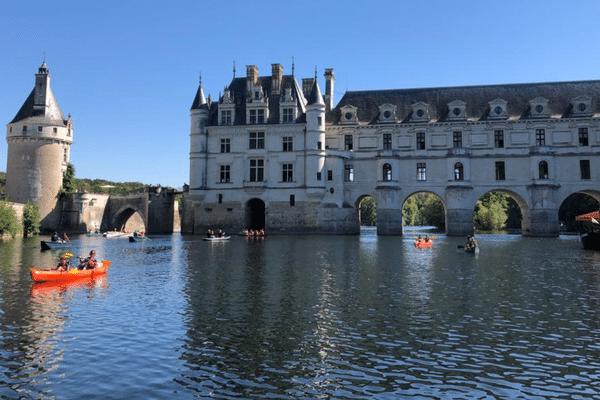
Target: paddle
{"x": 461, "y": 247}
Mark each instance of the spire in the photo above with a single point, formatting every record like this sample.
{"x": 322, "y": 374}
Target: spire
{"x": 315, "y": 95}
{"x": 199, "y": 100}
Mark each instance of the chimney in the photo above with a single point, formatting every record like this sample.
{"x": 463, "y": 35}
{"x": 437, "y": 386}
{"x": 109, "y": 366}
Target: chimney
{"x": 307, "y": 84}
{"x": 251, "y": 76}
{"x": 329, "y": 81}
{"x": 277, "y": 71}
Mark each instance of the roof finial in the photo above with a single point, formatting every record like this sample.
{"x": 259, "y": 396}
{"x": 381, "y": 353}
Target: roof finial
{"x": 233, "y": 69}
{"x": 292, "y": 65}
{"x": 200, "y": 78}
{"x": 44, "y": 57}
{"x": 315, "y": 72}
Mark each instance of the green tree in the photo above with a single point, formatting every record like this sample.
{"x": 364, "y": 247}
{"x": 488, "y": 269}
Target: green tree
{"x": 69, "y": 184}
{"x": 2, "y": 182}
{"x": 9, "y": 223}
{"x": 491, "y": 217}
{"x": 433, "y": 212}
{"x": 31, "y": 219}
{"x": 368, "y": 212}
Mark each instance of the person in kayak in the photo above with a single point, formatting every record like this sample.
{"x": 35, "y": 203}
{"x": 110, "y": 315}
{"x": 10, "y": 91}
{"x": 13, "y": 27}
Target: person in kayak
{"x": 63, "y": 265}
{"x": 88, "y": 263}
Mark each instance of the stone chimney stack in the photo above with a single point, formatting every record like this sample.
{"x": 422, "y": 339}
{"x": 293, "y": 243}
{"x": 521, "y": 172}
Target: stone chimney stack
{"x": 329, "y": 81}
{"x": 277, "y": 71}
{"x": 251, "y": 76}
{"x": 307, "y": 84}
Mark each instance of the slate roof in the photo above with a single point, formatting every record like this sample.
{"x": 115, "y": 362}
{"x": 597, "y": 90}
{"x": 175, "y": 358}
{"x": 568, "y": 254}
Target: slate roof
{"x": 52, "y": 112}
{"x": 477, "y": 98}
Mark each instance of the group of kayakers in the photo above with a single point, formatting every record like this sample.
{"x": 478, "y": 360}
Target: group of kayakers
{"x": 84, "y": 263}
{"x": 250, "y": 232}
{"x": 422, "y": 239}
{"x": 211, "y": 234}
{"x": 61, "y": 239}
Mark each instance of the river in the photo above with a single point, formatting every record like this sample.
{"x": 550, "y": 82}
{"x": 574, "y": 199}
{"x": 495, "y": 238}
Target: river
{"x": 305, "y": 317}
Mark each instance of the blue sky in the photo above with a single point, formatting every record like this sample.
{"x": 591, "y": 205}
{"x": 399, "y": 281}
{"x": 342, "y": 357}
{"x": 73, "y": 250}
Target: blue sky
{"x": 127, "y": 71}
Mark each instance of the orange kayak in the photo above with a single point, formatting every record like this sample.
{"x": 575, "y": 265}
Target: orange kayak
{"x": 422, "y": 244}
{"x": 46, "y": 275}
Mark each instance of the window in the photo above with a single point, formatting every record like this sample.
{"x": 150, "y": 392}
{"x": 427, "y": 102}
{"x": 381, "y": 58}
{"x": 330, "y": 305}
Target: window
{"x": 499, "y": 138}
{"x": 225, "y": 145}
{"x": 226, "y": 117}
{"x": 583, "y": 137}
{"x": 257, "y": 170}
{"x": 55, "y": 130}
{"x": 220, "y": 198}
{"x": 287, "y": 175}
{"x": 329, "y": 175}
{"x": 39, "y": 128}
{"x": 319, "y": 121}
{"x": 288, "y": 143}
{"x": 387, "y": 141}
{"x": 225, "y": 173}
{"x": 584, "y": 166}
{"x": 65, "y": 155}
{"x": 348, "y": 142}
{"x": 420, "y": 140}
{"x": 421, "y": 172}
{"x": 459, "y": 174}
{"x": 292, "y": 200}
{"x": 288, "y": 115}
{"x": 349, "y": 173}
{"x": 319, "y": 146}
{"x": 257, "y": 116}
{"x": 318, "y": 176}
{"x": 457, "y": 139}
{"x": 543, "y": 170}
{"x": 540, "y": 137}
{"x": 24, "y": 128}
{"x": 257, "y": 140}
{"x": 500, "y": 176}
{"x": 387, "y": 172}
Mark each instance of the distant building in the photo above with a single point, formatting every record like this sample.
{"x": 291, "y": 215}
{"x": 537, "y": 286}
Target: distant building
{"x": 276, "y": 154}
{"x": 39, "y": 141}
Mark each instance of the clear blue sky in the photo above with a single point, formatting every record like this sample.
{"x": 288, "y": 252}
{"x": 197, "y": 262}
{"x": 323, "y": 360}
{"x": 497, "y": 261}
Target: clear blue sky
{"x": 127, "y": 71}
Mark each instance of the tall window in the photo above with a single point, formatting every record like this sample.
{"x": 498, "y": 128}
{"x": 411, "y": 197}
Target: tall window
{"x": 287, "y": 175}
{"x": 225, "y": 173}
{"x": 584, "y": 166}
{"x": 225, "y": 145}
{"x": 292, "y": 200}
{"x": 387, "y": 172}
{"x": 420, "y": 140}
{"x": 226, "y": 117}
{"x": 499, "y": 138}
{"x": 459, "y": 174}
{"x": 500, "y": 175}
{"x": 543, "y": 170}
{"x": 421, "y": 171}
{"x": 329, "y": 175}
{"x": 257, "y": 140}
{"x": 288, "y": 143}
{"x": 288, "y": 115}
{"x": 257, "y": 116}
{"x": 348, "y": 142}
{"x": 257, "y": 169}
{"x": 387, "y": 141}
{"x": 457, "y": 139}
{"x": 65, "y": 155}
{"x": 349, "y": 173}
{"x": 540, "y": 137}
{"x": 583, "y": 137}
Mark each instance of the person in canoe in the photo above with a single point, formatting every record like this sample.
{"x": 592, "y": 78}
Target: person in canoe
{"x": 88, "y": 263}
{"x": 63, "y": 265}
{"x": 427, "y": 239}
{"x": 55, "y": 237}
{"x": 471, "y": 244}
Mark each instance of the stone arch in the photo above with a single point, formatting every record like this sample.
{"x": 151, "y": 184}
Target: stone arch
{"x": 566, "y": 216}
{"x": 357, "y": 206}
{"x": 255, "y": 214}
{"x": 429, "y": 191}
{"x": 129, "y": 217}
{"x": 523, "y": 205}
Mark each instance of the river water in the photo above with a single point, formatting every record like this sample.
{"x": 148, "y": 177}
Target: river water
{"x": 301, "y": 317}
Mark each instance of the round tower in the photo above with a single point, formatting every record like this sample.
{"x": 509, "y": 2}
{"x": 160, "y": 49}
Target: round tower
{"x": 39, "y": 145}
{"x": 315, "y": 137}
{"x": 198, "y": 140}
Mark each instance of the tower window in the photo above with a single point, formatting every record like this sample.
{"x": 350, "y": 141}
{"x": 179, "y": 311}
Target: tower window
{"x": 39, "y": 128}
{"x": 499, "y": 138}
{"x": 540, "y": 137}
{"x": 329, "y": 175}
{"x": 387, "y": 141}
{"x": 420, "y": 140}
{"x": 583, "y": 137}
{"x": 348, "y": 145}
{"x": 24, "y": 128}
{"x": 457, "y": 139}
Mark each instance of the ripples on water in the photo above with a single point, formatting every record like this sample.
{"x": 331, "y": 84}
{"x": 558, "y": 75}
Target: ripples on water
{"x": 306, "y": 317}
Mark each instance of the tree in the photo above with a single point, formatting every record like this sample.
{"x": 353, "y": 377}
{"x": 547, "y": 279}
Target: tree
{"x": 69, "y": 184}
{"x": 368, "y": 212}
{"x": 9, "y": 223}
{"x": 491, "y": 217}
{"x": 31, "y": 219}
{"x": 434, "y": 213}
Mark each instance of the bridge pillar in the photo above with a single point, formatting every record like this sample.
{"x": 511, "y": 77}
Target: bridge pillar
{"x": 542, "y": 218}
{"x": 389, "y": 214}
{"x": 459, "y": 211}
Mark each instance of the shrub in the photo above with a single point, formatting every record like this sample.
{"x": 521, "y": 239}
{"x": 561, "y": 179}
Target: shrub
{"x": 31, "y": 219}
{"x": 9, "y": 223}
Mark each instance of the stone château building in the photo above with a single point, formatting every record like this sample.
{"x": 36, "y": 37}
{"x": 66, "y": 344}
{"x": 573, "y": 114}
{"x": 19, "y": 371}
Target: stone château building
{"x": 39, "y": 144}
{"x": 277, "y": 154}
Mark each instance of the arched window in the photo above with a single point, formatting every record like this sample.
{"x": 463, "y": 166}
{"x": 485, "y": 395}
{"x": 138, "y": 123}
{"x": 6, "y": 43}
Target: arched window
{"x": 543, "y": 169}
{"x": 387, "y": 172}
{"x": 459, "y": 174}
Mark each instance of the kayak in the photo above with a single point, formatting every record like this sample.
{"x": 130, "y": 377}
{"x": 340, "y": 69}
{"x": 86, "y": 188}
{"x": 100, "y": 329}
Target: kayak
{"x": 49, "y": 245}
{"x": 423, "y": 245}
{"x": 216, "y": 239}
{"x": 47, "y": 275}
{"x": 134, "y": 239}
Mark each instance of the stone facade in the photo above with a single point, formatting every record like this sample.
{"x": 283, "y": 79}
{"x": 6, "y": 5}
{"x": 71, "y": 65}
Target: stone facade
{"x": 274, "y": 153}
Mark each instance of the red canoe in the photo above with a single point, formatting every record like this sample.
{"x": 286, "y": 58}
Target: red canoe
{"x": 45, "y": 275}
{"x": 422, "y": 244}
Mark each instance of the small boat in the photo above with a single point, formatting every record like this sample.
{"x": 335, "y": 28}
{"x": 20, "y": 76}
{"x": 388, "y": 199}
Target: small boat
{"x": 421, "y": 244}
{"x": 471, "y": 249}
{"x": 49, "y": 275}
{"x": 590, "y": 230}
{"x": 216, "y": 239}
{"x": 133, "y": 239}
{"x": 49, "y": 245}
{"x": 112, "y": 235}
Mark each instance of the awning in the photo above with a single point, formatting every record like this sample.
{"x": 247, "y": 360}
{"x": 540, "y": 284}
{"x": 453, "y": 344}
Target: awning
{"x": 588, "y": 217}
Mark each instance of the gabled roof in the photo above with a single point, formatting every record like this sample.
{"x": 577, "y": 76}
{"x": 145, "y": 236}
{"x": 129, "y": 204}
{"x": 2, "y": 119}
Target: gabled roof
{"x": 477, "y": 98}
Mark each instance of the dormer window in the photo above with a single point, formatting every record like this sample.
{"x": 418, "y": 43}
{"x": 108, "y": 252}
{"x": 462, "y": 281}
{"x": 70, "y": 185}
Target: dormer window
{"x": 498, "y": 109}
{"x": 387, "y": 113}
{"x": 457, "y": 110}
{"x": 582, "y": 105}
{"x": 420, "y": 112}
{"x": 287, "y": 108}
{"x": 539, "y": 107}
{"x": 349, "y": 114}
